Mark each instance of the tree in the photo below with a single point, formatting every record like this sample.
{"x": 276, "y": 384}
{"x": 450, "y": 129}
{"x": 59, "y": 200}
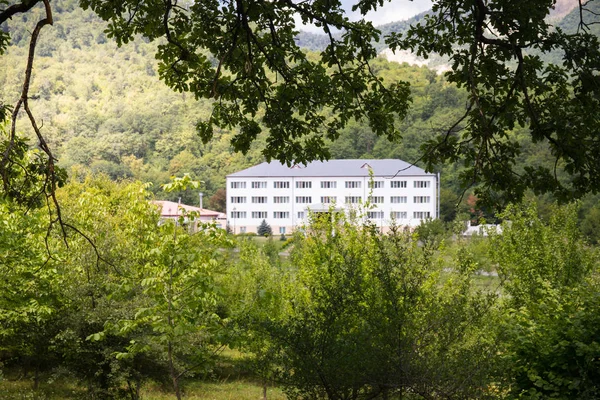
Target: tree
{"x": 264, "y": 229}
{"x": 499, "y": 52}
{"x": 364, "y": 315}
{"x": 549, "y": 330}
{"x": 218, "y": 201}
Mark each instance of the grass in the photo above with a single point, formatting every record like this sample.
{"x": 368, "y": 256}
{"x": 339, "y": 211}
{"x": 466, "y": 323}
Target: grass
{"x": 234, "y": 381}
{"x": 227, "y": 390}
{"x": 197, "y": 390}
{"x": 22, "y": 389}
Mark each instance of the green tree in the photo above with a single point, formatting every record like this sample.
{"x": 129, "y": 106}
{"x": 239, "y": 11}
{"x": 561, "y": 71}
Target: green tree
{"x": 366, "y": 315}
{"x": 264, "y": 229}
{"x": 496, "y": 49}
{"x": 549, "y": 331}
{"x": 178, "y": 311}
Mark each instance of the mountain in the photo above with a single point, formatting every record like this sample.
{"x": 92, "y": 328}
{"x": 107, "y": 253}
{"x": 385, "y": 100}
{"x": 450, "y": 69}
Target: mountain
{"x": 103, "y": 108}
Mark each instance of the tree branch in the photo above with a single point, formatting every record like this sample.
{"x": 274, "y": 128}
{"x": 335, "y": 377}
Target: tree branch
{"x": 22, "y": 7}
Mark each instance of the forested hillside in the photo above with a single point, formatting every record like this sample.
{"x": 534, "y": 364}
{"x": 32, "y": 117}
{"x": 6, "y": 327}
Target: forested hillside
{"x": 104, "y": 108}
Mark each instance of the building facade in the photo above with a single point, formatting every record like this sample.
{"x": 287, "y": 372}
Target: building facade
{"x": 169, "y": 210}
{"x": 283, "y": 196}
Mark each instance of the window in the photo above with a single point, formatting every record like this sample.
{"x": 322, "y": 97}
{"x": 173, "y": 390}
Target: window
{"x": 300, "y": 214}
{"x": 259, "y": 199}
{"x": 397, "y": 184}
{"x": 303, "y": 184}
{"x": 259, "y": 214}
{"x": 238, "y": 185}
{"x": 352, "y": 199}
{"x": 422, "y": 199}
{"x": 375, "y": 184}
{"x": 303, "y": 199}
{"x": 376, "y": 199}
{"x": 422, "y": 184}
{"x": 328, "y": 184}
{"x": 238, "y": 199}
{"x": 242, "y": 229}
{"x": 281, "y": 185}
{"x": 398, "y": 199}
{"x": 259, "y": 185}
{"x": 281, "y": 214}
{"x": 375, "y": 214}
{"x": 421, "y": 214}
{"x": 281, "y": 199}
{"x": 398, "y": 215}
{"x": 328, "y": 199}
{"x": 352, "y": 184}
{"x": 282, "y": 230}
{"x": 238, "y": 214}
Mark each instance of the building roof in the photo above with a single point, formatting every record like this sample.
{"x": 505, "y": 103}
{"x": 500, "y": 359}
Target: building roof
{"x": 171, "y": 209}
{"x": 360, "y": 168}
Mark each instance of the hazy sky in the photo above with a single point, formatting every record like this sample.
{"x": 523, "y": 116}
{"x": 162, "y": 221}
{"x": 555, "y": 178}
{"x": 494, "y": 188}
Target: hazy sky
{"x": 395, "y": 10}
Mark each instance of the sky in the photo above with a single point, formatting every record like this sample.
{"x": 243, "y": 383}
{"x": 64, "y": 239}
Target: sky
{"x": 394, "y": 10}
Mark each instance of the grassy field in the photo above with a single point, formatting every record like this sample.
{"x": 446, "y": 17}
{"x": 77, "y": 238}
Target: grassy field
{"x": 229, "y": 390}
{"x": 63, "y": 390}
{"x": 233, "y": 381}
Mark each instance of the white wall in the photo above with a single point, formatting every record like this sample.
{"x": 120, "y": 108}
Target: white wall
{"x": 316, "y": 192}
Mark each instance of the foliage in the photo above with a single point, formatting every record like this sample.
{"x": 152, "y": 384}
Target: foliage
{"x": 432, "y": 232}
{"x": 264, "y": 229}
{"x": 522, "y": 112}
{"x": 365, "y": 315}
{"x": 550, "y": 328}
{"x": 495, "y": 51}
{"x": 534, "y": 257}
{"x": 259, "y": 63}
{"x": 122, "y": 300}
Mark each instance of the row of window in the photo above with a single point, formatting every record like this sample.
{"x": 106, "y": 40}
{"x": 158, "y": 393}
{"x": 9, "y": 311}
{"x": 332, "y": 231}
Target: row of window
{"x": 328, "y": 184}
{"x": 281, "y": 229}
{"x": 330, "y": 199}
{"x": 370, "y": 214}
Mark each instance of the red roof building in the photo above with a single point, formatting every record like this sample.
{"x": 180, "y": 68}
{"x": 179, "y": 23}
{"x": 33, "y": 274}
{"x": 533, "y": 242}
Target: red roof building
{"x": 173, "y": 210}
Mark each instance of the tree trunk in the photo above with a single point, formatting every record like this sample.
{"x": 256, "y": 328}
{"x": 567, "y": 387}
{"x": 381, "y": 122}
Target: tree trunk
{"x": 36, "y": 378}
{"x": 173, "y": 373}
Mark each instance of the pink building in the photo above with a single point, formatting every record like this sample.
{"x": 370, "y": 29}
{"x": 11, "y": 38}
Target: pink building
{"x": 173, "y": 210}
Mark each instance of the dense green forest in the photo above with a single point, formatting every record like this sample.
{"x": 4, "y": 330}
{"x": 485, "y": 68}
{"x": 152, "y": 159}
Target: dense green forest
{"x": 104, "y": 108}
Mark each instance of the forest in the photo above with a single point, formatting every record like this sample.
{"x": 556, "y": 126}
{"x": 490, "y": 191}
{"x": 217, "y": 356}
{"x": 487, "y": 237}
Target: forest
{"x": 102, "y": 300}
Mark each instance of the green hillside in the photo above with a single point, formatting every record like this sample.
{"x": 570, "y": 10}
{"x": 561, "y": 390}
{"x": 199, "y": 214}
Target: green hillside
{"x": 104, "y": 108}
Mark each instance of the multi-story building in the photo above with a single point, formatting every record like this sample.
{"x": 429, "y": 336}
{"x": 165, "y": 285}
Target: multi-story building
{"x": 283, "y": 195}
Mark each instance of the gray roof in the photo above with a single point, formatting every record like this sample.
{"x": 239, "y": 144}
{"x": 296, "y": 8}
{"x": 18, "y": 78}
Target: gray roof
{"x": 387, "y": 168}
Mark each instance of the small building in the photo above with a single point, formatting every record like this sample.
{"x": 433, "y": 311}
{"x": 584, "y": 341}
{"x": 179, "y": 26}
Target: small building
{"x": 481, "y": 230}
{"x": 399, "y": 193}
{"x": 170, "y": 210}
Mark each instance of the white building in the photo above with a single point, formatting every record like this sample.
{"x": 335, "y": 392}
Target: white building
{"x": 283, "y": 195}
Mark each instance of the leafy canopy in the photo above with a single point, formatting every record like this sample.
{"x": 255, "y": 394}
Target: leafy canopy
{"x": 243, "y": 55}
